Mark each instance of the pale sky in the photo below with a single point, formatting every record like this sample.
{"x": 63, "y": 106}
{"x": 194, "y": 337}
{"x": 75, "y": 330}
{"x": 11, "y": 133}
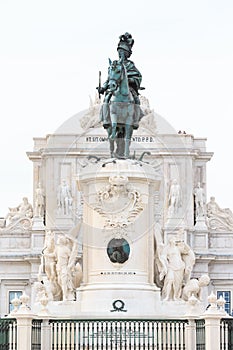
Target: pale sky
{"x": 51, "y": 52}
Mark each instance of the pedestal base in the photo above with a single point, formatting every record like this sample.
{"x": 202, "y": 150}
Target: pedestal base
{"x": 64, "y": 221}
{"x": 37, "y": 224}
{"x": 119, "y": 300}
{"x": 141, "y": 305}
{"x": 201, "y": 224}
{"x": 175, "y": 223}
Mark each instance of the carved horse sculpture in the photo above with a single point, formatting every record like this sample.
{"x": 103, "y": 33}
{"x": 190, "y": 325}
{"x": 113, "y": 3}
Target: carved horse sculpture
{"x": 122, "y": 109}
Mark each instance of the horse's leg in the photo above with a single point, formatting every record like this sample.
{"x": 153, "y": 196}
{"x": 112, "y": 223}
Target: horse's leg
{"x": 111, "y": 142}
{"x": 113, "y": 134}
{"x": 114, "y": 127}
{"x": 120, "y": 141}
{"x": 128, "y": 135}
{"x": 128, "y": 129}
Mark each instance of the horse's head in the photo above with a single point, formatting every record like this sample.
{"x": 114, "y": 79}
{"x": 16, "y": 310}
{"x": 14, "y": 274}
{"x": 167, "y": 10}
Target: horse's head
{"x": 115, "y": 74}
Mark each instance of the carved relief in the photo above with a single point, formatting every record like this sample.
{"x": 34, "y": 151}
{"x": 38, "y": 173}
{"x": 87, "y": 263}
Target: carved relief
{"x": 119, "y": 202}
{"x": 176, "y": 261}
{"x": 118, "y": 250}
{"x": 91, "y": 118}
{"x": 59, "y": 263}
{"x": 19, "y": 218}
{"x": 217, "y": 218}
{"x": 64, "y": 199}
{"x": 174, "y": 199}
{"x": 39, "y": 201}
{"x": 194, "y": 287}
{"x": 23, "y": 224}
{"x": 199, "y": 200}
{"x": 148, "y": 122}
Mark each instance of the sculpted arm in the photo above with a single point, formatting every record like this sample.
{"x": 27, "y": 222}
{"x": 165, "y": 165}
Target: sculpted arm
{"x": 163, "y": 261}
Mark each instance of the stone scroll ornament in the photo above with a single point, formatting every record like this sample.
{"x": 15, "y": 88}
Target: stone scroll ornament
{"x": 118, "y": 202}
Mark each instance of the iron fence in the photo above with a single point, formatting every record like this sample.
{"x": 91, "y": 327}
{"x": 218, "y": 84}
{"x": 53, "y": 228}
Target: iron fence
{"x": 226, "y": 334}
{"x": 36, "y": 335}
{"x": 200, "y": 334}
{"x": 8, "y": 334}
{"x": 118, "y": 334}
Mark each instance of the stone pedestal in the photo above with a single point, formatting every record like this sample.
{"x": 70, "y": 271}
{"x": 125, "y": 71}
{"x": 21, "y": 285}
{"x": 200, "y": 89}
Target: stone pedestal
{"x": 37, "y": 224}
{"x": 64, "y": 221}
{"x": 200, "y": 240}
{"x": 118, "y": 239}
{"x": 201, "y": 224}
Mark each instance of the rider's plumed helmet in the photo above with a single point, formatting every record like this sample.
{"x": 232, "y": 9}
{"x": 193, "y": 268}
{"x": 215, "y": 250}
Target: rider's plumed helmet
{"x": 125, "y": 45}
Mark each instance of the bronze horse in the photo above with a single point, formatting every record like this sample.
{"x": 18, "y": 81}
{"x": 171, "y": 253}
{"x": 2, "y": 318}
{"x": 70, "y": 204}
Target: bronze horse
{"x": 121, "y": 109}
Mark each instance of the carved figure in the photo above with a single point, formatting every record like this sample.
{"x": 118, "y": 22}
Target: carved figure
{"x": 39, "y": 201}
{"x": 122, "y": 115}
{"x": 218, "y": 218}
{"x": 59, "y": 263}
{"x": 48, "y": 266}
{"x": 194, "y": 287}
{"x": 199, "y": 200}
{"x": 177, "y": 260}
{"x": 174, "y": 198}
{"x": 66, "y": 256}
{"x": 50, "y": 257}
{"x": 64, "y": 198}
{"x": 77, "y": 275}
{"x": 173, "y": 271}
{"x": 40, "y": 291}
{"x": 24, "y": 210}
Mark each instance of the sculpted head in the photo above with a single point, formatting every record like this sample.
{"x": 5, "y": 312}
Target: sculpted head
{"x": 62, "y": 240}
{"x": 118, "y": 183}
{"x": 204, "y": 280}
{"x": 172, "y": 241}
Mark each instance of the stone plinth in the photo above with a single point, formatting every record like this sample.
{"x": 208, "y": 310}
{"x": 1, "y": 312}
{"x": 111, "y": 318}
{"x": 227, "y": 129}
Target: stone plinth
{"x": 37, "y": 224}
{"x": 118, "y": 238}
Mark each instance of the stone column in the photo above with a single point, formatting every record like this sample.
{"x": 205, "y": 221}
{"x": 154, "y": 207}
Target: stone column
{"x": 191, "y": 333}
{"x": 45, "y": 334}
{"x": 212, "y": 318}
{"x": 24, "y": 327}
{"x": 192, "y": 314}
{"x": 24, "y": 319}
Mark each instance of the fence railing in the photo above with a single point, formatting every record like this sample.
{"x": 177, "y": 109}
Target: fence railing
{"x": 8, "y": 334}
{"x": 200, "y": 334}
{"x": 118, "y": 334}
{"x": 36, "y": 335}
{"x": 107, "y": 334}
{"x": 226, "y": 334}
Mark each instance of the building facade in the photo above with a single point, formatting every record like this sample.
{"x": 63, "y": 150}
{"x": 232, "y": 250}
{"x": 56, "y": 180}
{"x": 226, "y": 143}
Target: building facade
{"x": 181, "y": 203}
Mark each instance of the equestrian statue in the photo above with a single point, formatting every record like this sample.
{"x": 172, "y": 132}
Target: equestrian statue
{"x": 120, "y": 111}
